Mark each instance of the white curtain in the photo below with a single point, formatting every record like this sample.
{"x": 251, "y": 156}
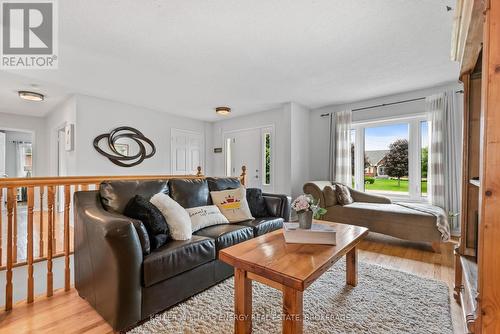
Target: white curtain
{"x": 445, "y": 154}
{"x": 20, "y": 159}
{"x": 343, "y": 120}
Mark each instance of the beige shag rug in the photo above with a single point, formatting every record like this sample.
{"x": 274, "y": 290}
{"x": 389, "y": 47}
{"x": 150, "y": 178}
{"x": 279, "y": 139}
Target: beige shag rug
{"x": 385, "y": 301}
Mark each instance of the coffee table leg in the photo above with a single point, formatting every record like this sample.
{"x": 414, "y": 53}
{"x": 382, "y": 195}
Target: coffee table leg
{"x": 292, "y": 311}
{"x": 242, "y": 302}
{"x": 352, "y": 267}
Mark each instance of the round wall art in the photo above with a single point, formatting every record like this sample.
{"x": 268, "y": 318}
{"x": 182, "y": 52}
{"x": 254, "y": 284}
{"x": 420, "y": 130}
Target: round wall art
{"x": 125, "y": 146}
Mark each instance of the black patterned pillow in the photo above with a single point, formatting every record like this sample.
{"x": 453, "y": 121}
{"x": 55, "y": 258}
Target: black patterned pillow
{"x": 156, "y": 225}
{"x": 257, "y": 203}
{"x": 343, "y": 194}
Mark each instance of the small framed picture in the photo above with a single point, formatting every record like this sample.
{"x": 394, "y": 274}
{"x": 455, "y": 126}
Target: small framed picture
{"x": 69, "y": 137}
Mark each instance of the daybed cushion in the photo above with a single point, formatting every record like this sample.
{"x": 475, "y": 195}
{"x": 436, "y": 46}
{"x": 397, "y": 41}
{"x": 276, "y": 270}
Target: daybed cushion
{"x": 176, "y": 257}
{"x": 264, "y": 225}
{"x": 226, "y": 235}
{"x": 390, "y": 219}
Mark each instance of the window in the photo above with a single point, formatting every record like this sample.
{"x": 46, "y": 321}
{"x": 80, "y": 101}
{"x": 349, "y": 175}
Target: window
{"x": 386, "y": 159}
{"x": 390, "y": 157}
{"x": 267, "y": 159}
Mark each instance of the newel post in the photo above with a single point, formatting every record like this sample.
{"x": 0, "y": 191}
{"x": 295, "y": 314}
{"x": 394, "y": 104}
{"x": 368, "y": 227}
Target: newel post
{"x": 243, "y": 176}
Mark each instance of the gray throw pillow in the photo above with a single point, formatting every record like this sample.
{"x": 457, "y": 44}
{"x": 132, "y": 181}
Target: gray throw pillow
{"x": 343, "y": 194}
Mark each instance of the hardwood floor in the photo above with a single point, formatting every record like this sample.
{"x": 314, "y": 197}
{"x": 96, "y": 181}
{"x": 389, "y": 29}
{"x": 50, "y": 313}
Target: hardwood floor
{"x": 68, "y": 313}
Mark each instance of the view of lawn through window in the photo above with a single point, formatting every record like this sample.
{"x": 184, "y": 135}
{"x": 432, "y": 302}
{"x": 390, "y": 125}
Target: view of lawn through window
{"x": 386, "y": 165}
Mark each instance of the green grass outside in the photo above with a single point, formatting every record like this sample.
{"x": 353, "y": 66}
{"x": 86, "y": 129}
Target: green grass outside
{"x": 392, "y": 185}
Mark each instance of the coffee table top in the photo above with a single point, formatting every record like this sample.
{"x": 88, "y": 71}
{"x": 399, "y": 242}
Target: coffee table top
{"x": 293, "y": 265}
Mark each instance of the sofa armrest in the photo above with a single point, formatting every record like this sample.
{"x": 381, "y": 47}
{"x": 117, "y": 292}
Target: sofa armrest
{"x": 359, "y": 196}
{"x": 278, "y": 205}
{"x": 108, "y": 259}
{"x": 315, "y": 189}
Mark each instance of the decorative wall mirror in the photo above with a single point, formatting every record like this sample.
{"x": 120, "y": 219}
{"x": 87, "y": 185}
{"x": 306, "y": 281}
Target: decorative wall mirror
{"x": 125, "y": 146}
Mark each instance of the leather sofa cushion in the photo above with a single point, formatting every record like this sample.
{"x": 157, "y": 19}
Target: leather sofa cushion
{"x": 226, "y": 235}
{"x": 189, "y": 193}
{"x": 273, "y": 206}
{"x": 176, "y": 257}
{"x": 140, "y": 208}
{"x": 223, "y": 183}
{"x": 115, "y": 195}
{"x": 257, "y": 203}
{"x": 264, "y": 225}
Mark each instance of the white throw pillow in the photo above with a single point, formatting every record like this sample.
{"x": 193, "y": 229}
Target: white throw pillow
{"x": 177, "y": 218}
{"x": 233, "y": 204}
{"x": 204, "y": 216}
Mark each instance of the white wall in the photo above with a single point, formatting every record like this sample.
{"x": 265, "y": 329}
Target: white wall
{"x": 300, "y": 147}
{"x": 63, "y": 114}
{"x": 319, "y": 126}
{"x": 96, "y": 116}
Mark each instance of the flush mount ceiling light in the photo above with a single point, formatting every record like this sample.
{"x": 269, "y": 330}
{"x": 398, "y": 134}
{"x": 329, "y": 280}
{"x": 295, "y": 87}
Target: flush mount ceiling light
{"x": 223, "y": 110}
{"x": 30, "y": 96}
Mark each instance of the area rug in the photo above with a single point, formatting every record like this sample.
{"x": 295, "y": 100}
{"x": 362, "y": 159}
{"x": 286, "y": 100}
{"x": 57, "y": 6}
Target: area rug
{"x": 384, "y": 301}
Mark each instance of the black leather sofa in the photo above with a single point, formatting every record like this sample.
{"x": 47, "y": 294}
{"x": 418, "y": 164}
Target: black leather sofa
{"x": 124, "y": 285}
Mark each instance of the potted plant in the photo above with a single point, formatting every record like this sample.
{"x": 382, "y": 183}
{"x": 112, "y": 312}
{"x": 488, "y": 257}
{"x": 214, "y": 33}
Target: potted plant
{"x": 306, "y": 208}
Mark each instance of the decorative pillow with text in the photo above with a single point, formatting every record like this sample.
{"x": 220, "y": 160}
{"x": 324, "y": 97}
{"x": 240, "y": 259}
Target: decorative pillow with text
{"x": 204, "y": 216}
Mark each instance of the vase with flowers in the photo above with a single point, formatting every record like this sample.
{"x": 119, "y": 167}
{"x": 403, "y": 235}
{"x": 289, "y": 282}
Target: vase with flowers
{"x": 306, "y": 208}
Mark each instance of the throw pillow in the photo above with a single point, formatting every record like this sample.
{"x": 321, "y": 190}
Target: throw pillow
{"x": 256, "y": 202}
{"x": 233, "y": 204}
{"x": 177, "y": 217}
{"x": 204, "y": 216}
{"x": 343, "y": 194}
{"x": 330, "y": 196}
{"x": 140, "y": 208}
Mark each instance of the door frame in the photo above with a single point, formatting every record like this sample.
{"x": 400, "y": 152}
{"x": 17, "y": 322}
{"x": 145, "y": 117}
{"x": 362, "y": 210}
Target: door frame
{"x": 202, "y": 147}
{"x": 227, "y": 133}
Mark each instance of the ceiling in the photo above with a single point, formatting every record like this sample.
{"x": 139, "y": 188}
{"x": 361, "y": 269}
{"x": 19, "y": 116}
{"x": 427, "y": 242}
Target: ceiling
{"x": 187, "y": 57}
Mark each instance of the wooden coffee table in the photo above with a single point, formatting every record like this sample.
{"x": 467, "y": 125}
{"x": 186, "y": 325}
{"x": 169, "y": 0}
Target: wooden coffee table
{"x": 290, "y": 268}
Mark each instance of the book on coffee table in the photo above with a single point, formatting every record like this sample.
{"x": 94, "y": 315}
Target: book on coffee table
{"x": 318, "y": 234}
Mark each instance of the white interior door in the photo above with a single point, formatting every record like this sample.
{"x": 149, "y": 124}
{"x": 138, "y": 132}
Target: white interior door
{"x": 248, "y": 148}
{"x": 187, "y": 152}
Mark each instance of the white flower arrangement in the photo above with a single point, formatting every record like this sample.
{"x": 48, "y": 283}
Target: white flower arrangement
{"x": 305, "y": 203}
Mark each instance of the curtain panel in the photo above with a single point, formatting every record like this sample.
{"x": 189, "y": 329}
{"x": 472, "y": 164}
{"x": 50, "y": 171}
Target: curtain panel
{"x": 445, "y": 153}
{"x": 343, "y": 122}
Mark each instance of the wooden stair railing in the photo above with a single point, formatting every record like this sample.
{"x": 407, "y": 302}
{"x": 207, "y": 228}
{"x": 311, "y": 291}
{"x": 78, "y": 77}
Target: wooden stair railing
{"x": 43, "y": 196}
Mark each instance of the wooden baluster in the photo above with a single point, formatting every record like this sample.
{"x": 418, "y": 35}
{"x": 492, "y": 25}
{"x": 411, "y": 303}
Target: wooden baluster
{"x": 85, "y": 187}
{"x": 50, "y": 229}
{"x": 67, "y": 203}
{"x": 40, "y": 251}
{"x": 97, "y": 186}
{"x": 31, "y": 203}
{"x": 11, "y": 197}
{"x": 1, "y": 217}
{"x": 199, "y": 173}
{"x": 54, "y": 223}
{"x": 14, "y": 236}
{"x": 243, "y": 176}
